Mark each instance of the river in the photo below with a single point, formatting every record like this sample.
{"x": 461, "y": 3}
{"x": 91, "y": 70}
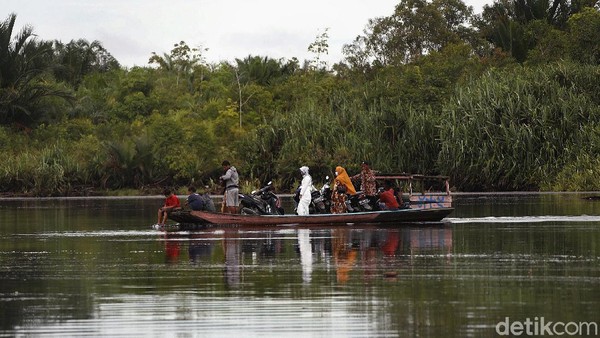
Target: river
{"x": 94, "y": 267}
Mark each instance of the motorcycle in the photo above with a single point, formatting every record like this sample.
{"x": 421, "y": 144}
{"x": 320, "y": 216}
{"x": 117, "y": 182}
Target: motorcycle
{"x": 320, "y": 199}
{"x": 359, "y": 202}
{"x": 261, "y": 202}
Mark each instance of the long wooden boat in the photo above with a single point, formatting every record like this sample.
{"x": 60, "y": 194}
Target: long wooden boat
{"x": 387, "y": 216}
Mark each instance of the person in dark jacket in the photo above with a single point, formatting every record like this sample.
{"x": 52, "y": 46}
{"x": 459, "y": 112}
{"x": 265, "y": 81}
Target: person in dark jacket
{"x": 199, "y": 202}
{"x": 193, "y": 200}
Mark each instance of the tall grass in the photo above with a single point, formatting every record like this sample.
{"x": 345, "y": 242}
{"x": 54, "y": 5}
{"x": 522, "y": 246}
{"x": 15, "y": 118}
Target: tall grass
{"x": 519, "y": 129}
{"x": 394, "y": 138}
{"x": 47, "y": 172}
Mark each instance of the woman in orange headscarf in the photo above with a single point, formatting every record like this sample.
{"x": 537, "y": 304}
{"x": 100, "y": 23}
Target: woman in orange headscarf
{"x": 342, "y": 185}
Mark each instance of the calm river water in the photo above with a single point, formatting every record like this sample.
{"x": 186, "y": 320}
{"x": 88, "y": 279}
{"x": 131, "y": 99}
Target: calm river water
{"x": 94, "y": 267}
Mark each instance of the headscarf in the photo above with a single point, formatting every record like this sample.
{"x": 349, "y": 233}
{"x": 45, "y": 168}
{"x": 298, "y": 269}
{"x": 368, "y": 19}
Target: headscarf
{"x": 306, "y": 185}
{"x": 304, "y": 170}
{"x": 343, "y": 178}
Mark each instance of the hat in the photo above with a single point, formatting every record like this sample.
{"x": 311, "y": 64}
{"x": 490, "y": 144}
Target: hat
{"x": 304, "y": 170}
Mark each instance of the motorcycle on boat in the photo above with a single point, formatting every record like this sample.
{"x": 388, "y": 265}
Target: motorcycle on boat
{"x": 320, "y": 199}
{"x": 360, "y": 202}
{"x": 261, "y": 202}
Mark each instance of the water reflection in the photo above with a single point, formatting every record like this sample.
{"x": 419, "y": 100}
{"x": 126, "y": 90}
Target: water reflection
{"x": 306, "y": 254}
{"x": 352, "y": 252}
{"x": 232, "y": 248}
{"x": 95, "y": 268}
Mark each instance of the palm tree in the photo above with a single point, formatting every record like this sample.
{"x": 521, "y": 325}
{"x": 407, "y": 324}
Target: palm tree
{"x": 78, "y": 58}
{"x": 23, "y": 88}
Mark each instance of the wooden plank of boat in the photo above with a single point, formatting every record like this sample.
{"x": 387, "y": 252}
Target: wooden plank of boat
{"x": 388, "y": 216}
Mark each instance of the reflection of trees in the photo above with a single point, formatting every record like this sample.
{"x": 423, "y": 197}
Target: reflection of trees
{"x": 46, "y": 279}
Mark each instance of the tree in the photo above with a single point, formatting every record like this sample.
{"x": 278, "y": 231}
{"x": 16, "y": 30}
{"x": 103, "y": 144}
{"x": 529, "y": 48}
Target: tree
{"x": 78, "y": 58}
{"x": 256, "y": 76}
{"x": 263, "y": 71}
{"x": 25, "y": 91}
{"x": 584, "y": 36}
{"x": 416, "y": 28}
{"x": 181, "y": 61}
{"x": 549, "y": 44}
{"x": 319, "y": 47}
{"x": 517, "y": 26}
{"x": 555, "y": 12}
{"x": 498, "y": 26}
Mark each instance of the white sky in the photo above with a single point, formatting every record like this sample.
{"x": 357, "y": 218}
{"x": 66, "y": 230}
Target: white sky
{"x": 132, "y": 29}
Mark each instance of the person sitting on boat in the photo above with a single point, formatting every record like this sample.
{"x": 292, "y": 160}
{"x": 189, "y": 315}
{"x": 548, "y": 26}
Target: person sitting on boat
{"x": 305, "y": 192}
{"x": 193, "y": 200}
{"x": 171, "y": 204}
{"x": 208, "y": 204}
{"x": 387, "y": 198}
{"x": 342, "y": 186}
{"x": 199, "y": 202}
{"x": 231, "y": 180}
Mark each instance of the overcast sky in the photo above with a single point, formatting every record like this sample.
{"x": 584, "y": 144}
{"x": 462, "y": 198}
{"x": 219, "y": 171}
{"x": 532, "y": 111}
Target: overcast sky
{"x": 132, "y": 29}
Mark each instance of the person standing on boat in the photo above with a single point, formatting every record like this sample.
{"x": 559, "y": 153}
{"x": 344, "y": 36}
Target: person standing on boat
{"x": 342, "y": 186}
{"x": 231, "y": 181}
{"x": 171, "y": 203}
{"x": 368, "y": 184}
{"x": 305, "y": 192}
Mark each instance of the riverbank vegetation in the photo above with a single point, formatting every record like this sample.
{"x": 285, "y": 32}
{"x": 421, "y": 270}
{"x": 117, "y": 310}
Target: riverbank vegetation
{"x": 504, "y": 100}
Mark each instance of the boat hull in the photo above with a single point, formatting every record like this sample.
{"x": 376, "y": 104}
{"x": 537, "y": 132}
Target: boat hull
{"x": 388, "y": 216}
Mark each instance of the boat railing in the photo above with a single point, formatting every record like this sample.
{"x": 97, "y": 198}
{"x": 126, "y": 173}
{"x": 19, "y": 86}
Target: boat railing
{"x": 422, "y": 189}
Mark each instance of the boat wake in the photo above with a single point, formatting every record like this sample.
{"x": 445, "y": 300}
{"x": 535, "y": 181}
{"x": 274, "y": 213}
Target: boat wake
{"x": 524, "y": 219}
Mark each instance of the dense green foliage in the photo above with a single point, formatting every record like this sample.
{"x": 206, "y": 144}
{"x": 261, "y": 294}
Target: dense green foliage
{"x": 505, "y": 100}
{"x": 519, "y": 129}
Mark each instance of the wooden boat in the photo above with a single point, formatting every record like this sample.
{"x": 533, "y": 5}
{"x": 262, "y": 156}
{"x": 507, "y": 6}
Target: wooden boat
{"x": 372, "y": 217}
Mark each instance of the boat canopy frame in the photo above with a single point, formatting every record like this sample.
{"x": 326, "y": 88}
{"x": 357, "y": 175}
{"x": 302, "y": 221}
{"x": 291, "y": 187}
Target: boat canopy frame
{"x": 418, "y": 182}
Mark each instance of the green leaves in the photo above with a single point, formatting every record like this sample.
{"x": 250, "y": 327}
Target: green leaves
{"x": 518, "y": 129}
{"x": 584, "y": 36}
{"x": 416, "y": 28}
{"x": 24, "y": 84}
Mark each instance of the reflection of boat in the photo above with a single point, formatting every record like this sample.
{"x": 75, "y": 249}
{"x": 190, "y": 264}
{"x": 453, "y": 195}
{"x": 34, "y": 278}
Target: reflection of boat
{"x": 362, "y": 251}
{"x": 377, "y": 217}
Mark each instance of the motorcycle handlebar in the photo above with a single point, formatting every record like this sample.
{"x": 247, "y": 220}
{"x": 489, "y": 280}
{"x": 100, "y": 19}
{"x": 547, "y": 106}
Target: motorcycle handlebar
{"x": 263, "y": 189}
